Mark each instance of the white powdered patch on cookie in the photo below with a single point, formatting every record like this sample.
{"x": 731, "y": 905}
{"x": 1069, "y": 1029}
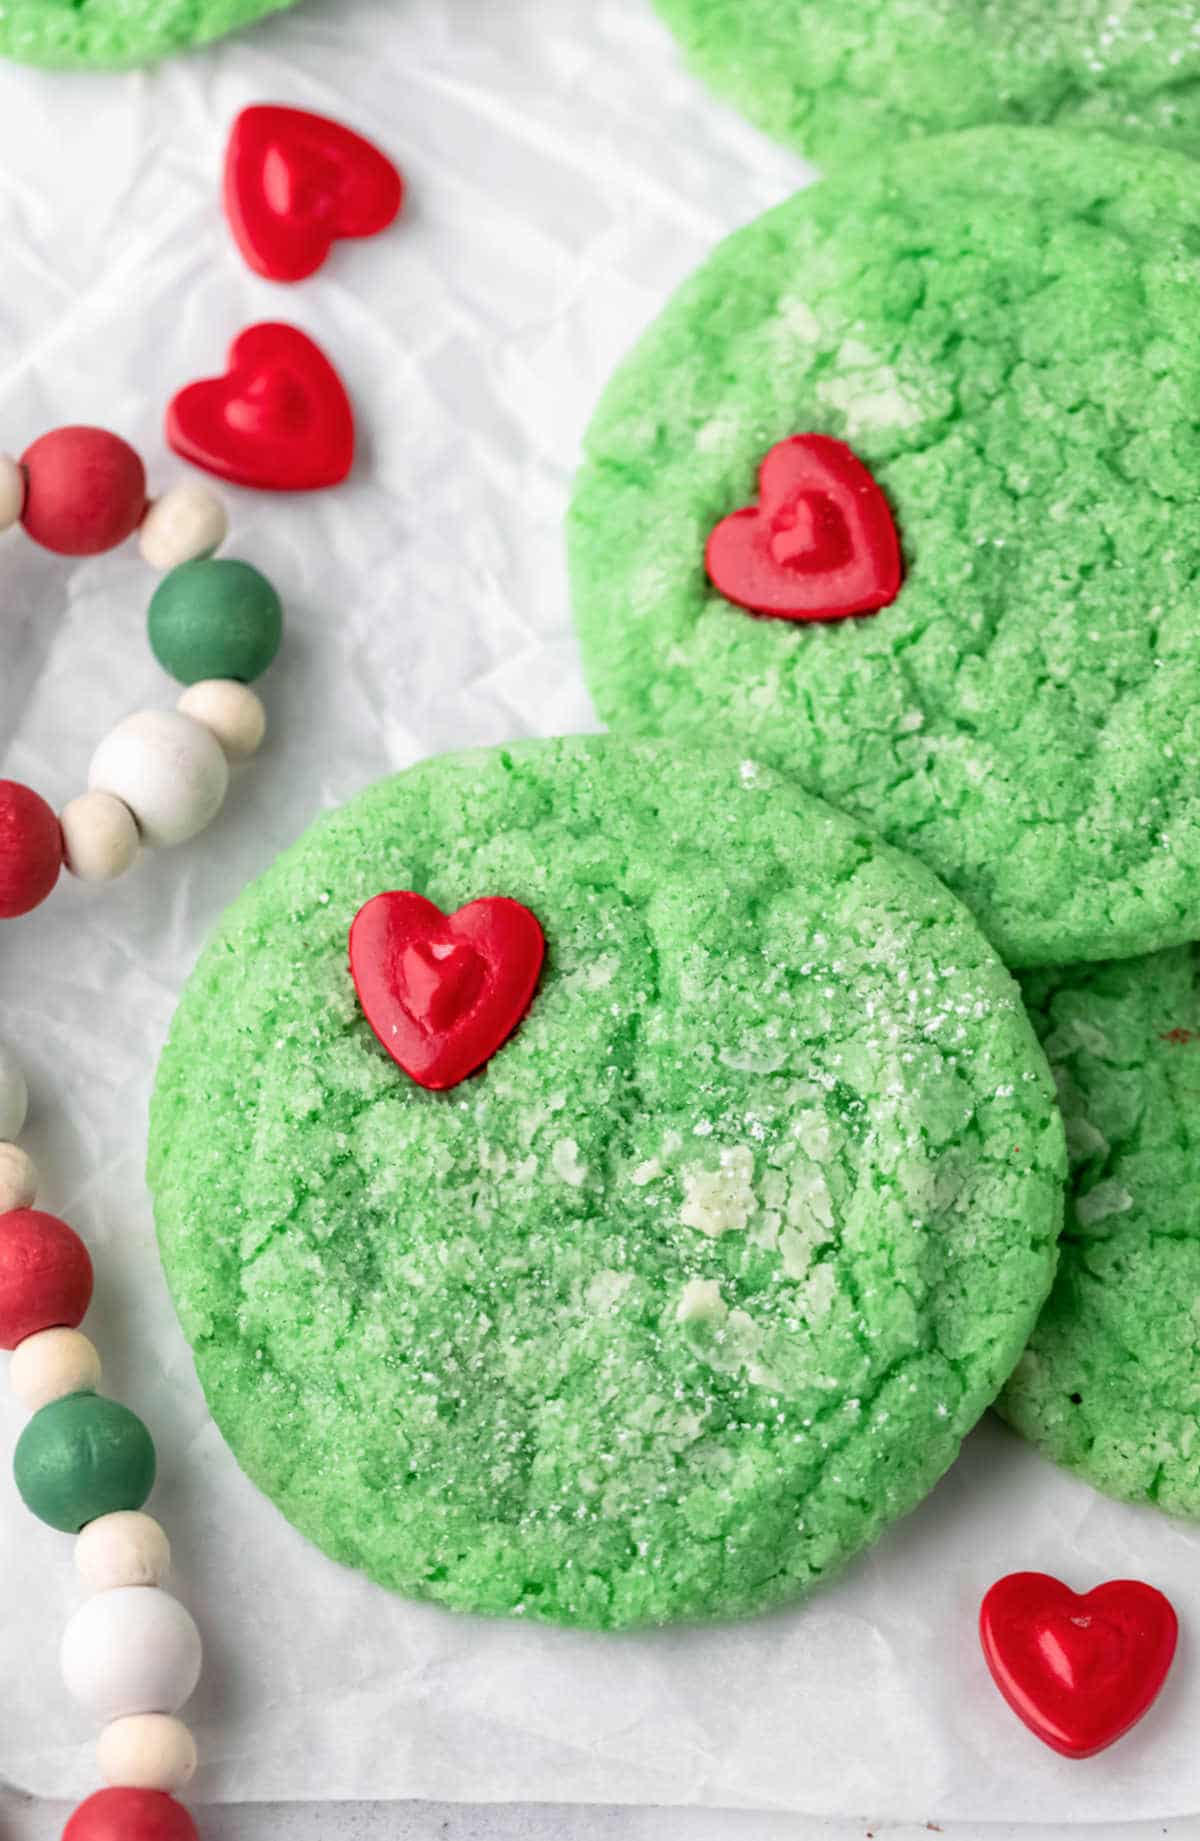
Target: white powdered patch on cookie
{"x": 796, "y": 323}
{"x": 701, "y": 1302}
{"x": 647, "y": 1172}
{"x": 720, "y": 1201}
{"x": 607, "y": 1290}
{"x": 1107, "y": 1198}
{"x": 564, "y": 1160}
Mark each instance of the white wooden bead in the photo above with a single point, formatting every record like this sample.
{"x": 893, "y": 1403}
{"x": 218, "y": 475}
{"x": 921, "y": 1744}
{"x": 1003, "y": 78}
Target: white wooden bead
{"x": 169, "y": 770}
{"x": 100, "y": 838}
{"x": 51, "y": 1365}
{"x": 125, "y": 1548}
{"x": 148, "y": 1751}
{"x": 131, "y": 1651}
{"x": 18, "y": 1179}
{"x": 187, "y": 522}
{"x": 14, "y": 1095}
{"x": 232, "y": 711}
{"x": 12, "y": 492}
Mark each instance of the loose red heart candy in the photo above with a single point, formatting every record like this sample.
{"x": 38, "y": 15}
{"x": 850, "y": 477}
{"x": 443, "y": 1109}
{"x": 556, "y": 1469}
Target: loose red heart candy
{"x": 279, "y": 419}
{"x": 296, "y": 182}
{"x": 821, "y": 543}
{"x": 443, "y": 992}
{"x": 1080, "y": 1671}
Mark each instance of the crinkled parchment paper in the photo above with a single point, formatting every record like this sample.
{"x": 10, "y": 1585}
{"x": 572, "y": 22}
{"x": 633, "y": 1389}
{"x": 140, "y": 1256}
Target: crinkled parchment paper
{"x": 564, "y": 174}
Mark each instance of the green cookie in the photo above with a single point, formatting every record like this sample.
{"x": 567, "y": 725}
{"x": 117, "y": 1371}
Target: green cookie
{"x": 1110, "y": 1384}
{"x": 835, "y": 77}
{"x": 1003, "y": 328}
{"x": 108, "y": 34}
{"x": 699, "y": 1284}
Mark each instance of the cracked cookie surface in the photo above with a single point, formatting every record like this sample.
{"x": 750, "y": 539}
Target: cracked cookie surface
{"x": 1110, "y": 1383}
{"x": 1001, "y": 326}
{"x": 113, "y": 34}
{"x": 835, "y": 78}
{"x": 699, "y": 1284}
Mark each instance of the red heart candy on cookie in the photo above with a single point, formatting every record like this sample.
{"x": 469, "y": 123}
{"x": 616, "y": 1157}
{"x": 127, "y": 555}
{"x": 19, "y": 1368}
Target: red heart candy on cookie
{"x": 1078, "y": 1670}
{"x": 278, "y": 419}
{"x": 295, "y": 182}
{"x": 821, "y": 543}
{"x": 443, "y": 992}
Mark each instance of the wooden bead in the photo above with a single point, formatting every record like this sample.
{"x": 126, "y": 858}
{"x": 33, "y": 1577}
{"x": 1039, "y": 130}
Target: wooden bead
{"x": 120, "y": 1550}
{"x": 51, "y": 1365}
{"x": 45, "y": 1275}
{"x": 85, "y": 491}
{"x": 215, "y": 619}
{"x": 148, "y": 1751}
{"x": 130, "y": 1815}
{"x": 81, "y": 1458}
{"x": 14, "y": 1094}
{"x": 12, "y": 492}
{"x": 30, "y": 849}
{"x": 188, "y": 522}
{"x": 131, "y": 1651}
{"x": 100, "y": 838}
{"x": 232, "y": 711}
{"x": 18, "y": 1179}
{"x": 169, "y": 771}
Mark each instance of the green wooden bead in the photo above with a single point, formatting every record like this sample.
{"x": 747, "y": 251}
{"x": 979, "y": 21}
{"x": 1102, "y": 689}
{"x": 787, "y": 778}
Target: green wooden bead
{"x": 82, "y": 1457}
{"x": 215, "y": 619}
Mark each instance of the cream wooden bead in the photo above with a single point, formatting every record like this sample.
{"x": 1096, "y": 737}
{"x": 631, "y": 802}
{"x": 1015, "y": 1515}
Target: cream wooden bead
{"x": 169, "y": 770}
{"x": 123, "y": 1549}
{"x": 18, "y": 1179}
{"x": 186, "y": 523}
{"x": 51, "y": 1365}
{"x": 131, "y": 1651}
{"x": 14, "y": 1095}
{"x": 12, "y": 492}
{"x": 100, "y": 838}
{"x": 232, "y": 711}
{"x": 148, "y": 1751}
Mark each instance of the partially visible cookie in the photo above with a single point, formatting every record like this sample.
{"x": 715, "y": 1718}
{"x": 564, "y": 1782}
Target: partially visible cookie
{"x": 112, "y": 34}
{"x": 836, "y": 77}
{"x": 1110, "y": 1383}
{"x": 699, "y": 1283}
{"x": 1001, "y": 329}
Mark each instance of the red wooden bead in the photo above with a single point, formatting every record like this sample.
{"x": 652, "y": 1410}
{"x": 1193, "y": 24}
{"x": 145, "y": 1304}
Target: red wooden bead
{"x": 130, "y": 1815}
{"x": 85, "y": 491}
{"x": 31, "y": 849}
{"x": 45, "y": 1276}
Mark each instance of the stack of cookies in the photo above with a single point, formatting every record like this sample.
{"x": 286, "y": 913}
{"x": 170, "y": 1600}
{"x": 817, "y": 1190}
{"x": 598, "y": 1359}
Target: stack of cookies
{"x": 886, "y": 555}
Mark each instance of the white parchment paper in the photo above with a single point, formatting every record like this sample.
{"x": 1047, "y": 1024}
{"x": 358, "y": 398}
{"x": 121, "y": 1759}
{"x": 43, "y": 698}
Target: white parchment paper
{"x": 564, "y": 174}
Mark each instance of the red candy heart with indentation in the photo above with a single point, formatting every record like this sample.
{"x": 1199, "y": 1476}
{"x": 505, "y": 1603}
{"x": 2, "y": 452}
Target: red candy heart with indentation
{"x": 443, "y": 992}
{"x": 821, "y": 543}
{"x": 279, "y": 419}
{"x": 296, "y": 182}
{"x": 1078, "y": 1670}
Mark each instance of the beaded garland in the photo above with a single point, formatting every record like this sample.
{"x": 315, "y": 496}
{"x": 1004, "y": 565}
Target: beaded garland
{"x": 85, "y": 1464}
{"x": 215, "y": 624}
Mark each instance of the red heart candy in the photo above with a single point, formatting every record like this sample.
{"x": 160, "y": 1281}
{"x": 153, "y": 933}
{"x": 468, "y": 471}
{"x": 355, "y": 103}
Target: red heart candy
{"x": 295, "y": 182}
{"x": 279, "y": 419}
{"x": 820, "y": 544}
{"x": 444, "y": 991}
{"x": 1080, "y": 1671}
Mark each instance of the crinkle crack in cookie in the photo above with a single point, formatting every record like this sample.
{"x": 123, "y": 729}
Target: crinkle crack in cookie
{"x": 1110, "y": 1385}
{"x": 1002, "y": 328}
{"x": 699, "y": 1283}
{"x": 835, "y": 77}
{"x": 110, "y": 34}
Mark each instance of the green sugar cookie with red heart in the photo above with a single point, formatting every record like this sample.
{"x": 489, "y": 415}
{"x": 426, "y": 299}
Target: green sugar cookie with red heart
{"x": 586, "y": 1172}
{"x": 113, "y": 34}
{"x": 899, "y": 494}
